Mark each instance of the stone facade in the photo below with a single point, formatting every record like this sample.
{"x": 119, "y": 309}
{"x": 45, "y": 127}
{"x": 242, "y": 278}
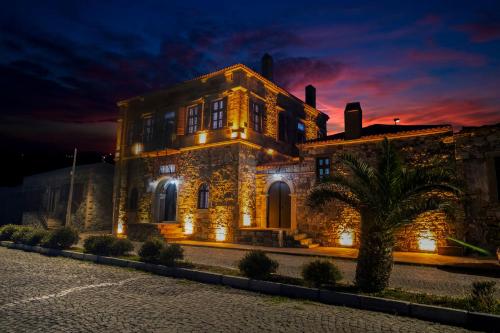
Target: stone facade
{"x": 172, "y": 142}
{"x": 46, "y": 198}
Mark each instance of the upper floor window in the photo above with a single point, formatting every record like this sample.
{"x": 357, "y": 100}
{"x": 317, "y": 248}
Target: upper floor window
{"x": 322, "y": 167}
{"x": 301, "y": 132}
{"x": 193, "y": 119}
{"x": 147, "y": 129}
{"x": 203, "y": 197}
{"x": 218, "y": 109}
{"x": 256, "y": 116}
{"x": 282, "y": 130}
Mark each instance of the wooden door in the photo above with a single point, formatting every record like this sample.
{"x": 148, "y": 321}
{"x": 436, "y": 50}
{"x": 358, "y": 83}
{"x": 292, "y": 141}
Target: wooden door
{"x": 278, "y": 206}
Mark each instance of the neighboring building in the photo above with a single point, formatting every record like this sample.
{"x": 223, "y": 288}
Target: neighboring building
{"x": 11, "y": 205}
{"x": 230, "y": 156}
{"x": 46, "y": 198}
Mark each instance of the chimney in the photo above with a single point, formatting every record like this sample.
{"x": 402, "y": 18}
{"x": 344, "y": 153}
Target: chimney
{"x": 352, "y": 120}
{"x": 311, "y": 96}
{"x": 267, "y": 70}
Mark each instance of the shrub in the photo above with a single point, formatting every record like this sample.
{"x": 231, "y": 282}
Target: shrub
{"x": 150, "y": 250}
{"x": 61, "y": 238}
{"x": 170, "y": 254}
{"x": 35, "y": 236}
{"x": 7, "y": 230}
{"x": 482, "y": 297}
{"x": 321, "y": 272}
{"x": 257, "y": 265}
{"x": 19, "y": 235}
{"x": 121, "y": 246}
{"x": 100, "y": 245}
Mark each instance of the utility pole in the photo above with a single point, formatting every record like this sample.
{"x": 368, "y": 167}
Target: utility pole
{"x": 70, "y": 196}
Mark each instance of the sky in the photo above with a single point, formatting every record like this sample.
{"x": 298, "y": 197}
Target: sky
{"x": 65, "y": 64}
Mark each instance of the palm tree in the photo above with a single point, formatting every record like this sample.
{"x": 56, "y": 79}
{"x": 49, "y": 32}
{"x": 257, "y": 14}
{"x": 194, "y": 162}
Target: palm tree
{"x": 387, "y": 197}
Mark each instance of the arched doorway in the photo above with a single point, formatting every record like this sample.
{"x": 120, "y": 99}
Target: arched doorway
{"x": 278, "y": 206}
{"x": 168, "y": 203}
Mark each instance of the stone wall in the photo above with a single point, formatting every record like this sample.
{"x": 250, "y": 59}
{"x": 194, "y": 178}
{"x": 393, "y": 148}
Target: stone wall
{"x": 476, "y": 151}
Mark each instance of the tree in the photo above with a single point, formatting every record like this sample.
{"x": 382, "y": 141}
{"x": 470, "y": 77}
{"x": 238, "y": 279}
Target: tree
{"x": 387, "y": 197}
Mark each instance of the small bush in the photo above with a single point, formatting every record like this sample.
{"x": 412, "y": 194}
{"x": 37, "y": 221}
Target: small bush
{"x": 482, "y": 297}
{"x": 121, "y": 246}
{"x": 35, "y": 236}
{"x": 19, "y": 236}
{"x": 99, "y": 245}
{"x": 150, "y": 250}
{"x": 61, "y": 238}
{"x": 321, "y": 272}
{"x": 257, "y": 265}
{"x": 170, "y": 254}
{"x": 7, "y": 230}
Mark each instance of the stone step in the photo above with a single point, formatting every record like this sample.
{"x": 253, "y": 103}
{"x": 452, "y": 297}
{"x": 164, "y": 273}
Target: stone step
{"x": 312, "y": 246}
{"x": 306, "y": 241}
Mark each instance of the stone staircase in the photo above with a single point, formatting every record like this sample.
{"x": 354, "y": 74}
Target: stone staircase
{"x": 171, "y": 231}
{"x": 303, "y": 240}
{"x": 53, "y": 223}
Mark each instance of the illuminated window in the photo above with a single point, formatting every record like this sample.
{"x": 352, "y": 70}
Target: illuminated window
{"x": 193, "y": 120}
{"x": 256, "y": 115}
{"x": 322, "y": 167}
{"x": 218, "y": 109}
{"x": 203, "y": 197}
{"x": 147, "y": 130}
{"x": 132, "y": 202}
{"x": 301, "y": 132}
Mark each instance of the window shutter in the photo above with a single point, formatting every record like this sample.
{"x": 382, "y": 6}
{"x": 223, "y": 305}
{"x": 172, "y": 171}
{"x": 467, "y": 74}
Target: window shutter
{"x": 224, "y": 117}
{"x": 207, "y": 110}
{"x": 181, "y": 121}
{"x": 200, "y": 112}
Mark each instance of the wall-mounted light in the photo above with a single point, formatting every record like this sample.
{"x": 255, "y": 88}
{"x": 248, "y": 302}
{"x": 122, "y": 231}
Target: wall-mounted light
{"x": 119, "y": 228}
{"x": 247, "y": 220}
{"x": 427, "y": 241}
{"x": 346, "y": 237}
{"x": 137, "y": 148}
{"x": 243, "y": 134}
{"x": 220, "y": 234}
{"x": 270, "y": 151}
{"x": 202, "y": 137}
{"x": 277, "y": 176}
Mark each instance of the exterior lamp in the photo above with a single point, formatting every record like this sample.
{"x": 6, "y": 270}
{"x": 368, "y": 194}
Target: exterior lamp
{"x": 427, "y": 241}
{"x": 346, "y": 238}
{"x": 247, "y": 220}
{"x": 202, "y": 137}
{"x": 137, "y": 148}
{"x": 220, "y": 234}
{"x": 188, "y": 226}
{"x": 270, "y": 151}
{"x": 119, "y": 228}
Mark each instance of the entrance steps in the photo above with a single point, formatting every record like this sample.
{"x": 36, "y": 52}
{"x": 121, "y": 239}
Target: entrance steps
{"x": 303, "y": 240}
{"x": 54, "y": 223}
{"x": 171, "y": 231}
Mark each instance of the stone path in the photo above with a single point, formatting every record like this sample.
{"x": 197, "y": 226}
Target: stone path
{"x": 430, "y": 280}
{"x": 54, "y": 294}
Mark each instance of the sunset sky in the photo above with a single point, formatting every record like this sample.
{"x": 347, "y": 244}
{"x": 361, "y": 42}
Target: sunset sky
{"x": 65, "y": 64}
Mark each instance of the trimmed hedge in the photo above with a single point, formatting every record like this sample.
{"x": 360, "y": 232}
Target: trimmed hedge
{"x": 7, "y": 230}
{"x": 257, "y": 265}
{"x": 106, "y": 245}
{"x": 150, "y": 250}
{"x": 321, "y": 272}
{"x": 62, "y": 238}
{"x": 170, "y": 254}
{"x": 19, "y": 236}
{"x": 35, "y": 236}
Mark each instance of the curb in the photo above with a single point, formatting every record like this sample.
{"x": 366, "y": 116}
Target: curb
{"x": 448, "y": 316}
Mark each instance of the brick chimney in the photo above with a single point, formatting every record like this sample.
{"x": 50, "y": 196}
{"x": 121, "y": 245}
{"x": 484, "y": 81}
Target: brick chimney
{"x": 353, "y": 116}
{"x": 267, "y": 70}
{"x": 311, "y": 96}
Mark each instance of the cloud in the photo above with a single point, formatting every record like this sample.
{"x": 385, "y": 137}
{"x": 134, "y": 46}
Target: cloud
{"x": 446, "y": 56}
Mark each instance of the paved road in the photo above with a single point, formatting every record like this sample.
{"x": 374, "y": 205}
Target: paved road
{"x": 412, "y": 278}
{"x": 43, "y": 294}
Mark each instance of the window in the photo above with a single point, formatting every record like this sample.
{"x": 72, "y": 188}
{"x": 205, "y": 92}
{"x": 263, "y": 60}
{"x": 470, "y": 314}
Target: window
{"x": 203, "y": 197}
{"x": 169, "y": 127}
{"x": 282, "y": 130}
{"x": 132, "y": 202}
{"x": 217, "y": 114}
{"x": 497, "y": 171}
{"x": 322, "y": 167}
{"x": 147, "y": 130}
{"x": 256, "y": 115}
{"x": 193, "y": 119}
{"x": 130, "y": 133}
{"x": 301, "y": 132}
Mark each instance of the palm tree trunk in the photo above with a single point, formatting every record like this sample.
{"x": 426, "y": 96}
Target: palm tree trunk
{"x": 375, "y": 258}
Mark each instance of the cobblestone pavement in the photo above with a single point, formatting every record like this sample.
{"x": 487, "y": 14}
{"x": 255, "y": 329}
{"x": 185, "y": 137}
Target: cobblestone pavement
{"x": 429, "y": 280}
{"x": 44, "y": 294}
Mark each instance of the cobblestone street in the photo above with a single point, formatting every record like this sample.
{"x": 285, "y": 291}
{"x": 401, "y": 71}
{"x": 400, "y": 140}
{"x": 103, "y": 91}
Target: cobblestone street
{"x": 44, "y": 294}
{"x": 429, "y": 280}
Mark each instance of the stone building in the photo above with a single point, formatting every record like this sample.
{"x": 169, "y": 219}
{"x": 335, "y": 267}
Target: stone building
{"x": 46, "y": 198}
{"x": 230, "y": 156}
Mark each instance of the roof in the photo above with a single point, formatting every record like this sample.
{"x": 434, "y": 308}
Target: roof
{"x": 381, "y": 130}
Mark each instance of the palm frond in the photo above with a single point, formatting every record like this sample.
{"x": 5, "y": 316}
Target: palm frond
{"x": 324, "y": 193}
